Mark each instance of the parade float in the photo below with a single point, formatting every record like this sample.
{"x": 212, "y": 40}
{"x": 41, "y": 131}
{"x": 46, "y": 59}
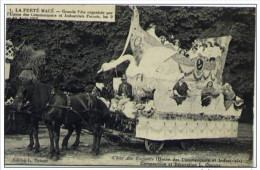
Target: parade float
{"x": 155, "y": 66}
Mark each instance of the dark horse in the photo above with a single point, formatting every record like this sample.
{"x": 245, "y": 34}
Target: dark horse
{"x": 34, "y": 110}
{"x": 56, "y": 108}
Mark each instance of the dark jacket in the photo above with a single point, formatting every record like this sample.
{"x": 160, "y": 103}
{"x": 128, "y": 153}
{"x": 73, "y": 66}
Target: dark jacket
{"x": 182, "y": 91}
{"x": 126, "y": 89}
{"x": 207, "y": 94}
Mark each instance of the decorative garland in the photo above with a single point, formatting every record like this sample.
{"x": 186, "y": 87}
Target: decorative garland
{"x": 195, "y": 117}
{"x": 197, "y": 78}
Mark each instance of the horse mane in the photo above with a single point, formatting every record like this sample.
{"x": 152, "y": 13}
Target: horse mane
{"x": 40, "y": 95}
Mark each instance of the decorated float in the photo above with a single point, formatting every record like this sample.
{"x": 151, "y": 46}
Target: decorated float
{"x": 209, "y": 109}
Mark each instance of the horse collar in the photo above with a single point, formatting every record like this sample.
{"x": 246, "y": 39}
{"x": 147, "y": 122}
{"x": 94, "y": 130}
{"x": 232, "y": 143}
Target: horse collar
{"x": 52, "y": 93}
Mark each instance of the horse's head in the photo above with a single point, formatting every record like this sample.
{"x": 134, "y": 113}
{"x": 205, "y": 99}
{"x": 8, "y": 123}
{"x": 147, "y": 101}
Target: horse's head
{"x": 20, "y": 98}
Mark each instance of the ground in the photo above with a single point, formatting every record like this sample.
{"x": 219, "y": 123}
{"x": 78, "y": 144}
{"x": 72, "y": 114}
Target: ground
{"x": 210, "y": 152}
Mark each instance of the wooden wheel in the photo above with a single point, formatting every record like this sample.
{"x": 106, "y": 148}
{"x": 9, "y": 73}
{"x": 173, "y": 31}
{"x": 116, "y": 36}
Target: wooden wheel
{"x": 186, "y": 144}
{"x": 153, "y": 146}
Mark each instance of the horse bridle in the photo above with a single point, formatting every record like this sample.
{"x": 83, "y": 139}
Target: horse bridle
{"x": 25, "y": 99}
{"x": 19, "y": 96}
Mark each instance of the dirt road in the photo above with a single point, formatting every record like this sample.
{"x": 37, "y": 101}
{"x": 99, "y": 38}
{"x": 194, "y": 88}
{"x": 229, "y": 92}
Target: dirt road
{"x": 209, "y": 153}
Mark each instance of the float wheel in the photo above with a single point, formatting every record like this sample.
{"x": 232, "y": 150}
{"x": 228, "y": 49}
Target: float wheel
{"x": 153, "y": 146}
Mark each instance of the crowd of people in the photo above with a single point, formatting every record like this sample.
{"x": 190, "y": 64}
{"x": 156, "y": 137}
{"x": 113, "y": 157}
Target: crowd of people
{"x": 172, "y": 42}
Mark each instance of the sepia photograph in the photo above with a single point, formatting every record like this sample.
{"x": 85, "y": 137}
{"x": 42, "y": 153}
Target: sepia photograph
{"x": 124, "y": 85}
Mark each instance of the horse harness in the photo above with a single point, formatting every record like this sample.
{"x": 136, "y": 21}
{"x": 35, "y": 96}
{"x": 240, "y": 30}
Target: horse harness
{"x": 68, "y": 107}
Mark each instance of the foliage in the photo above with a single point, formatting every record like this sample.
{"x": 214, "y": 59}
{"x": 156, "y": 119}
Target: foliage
{"x": 30, "y": 59}
{"x": 76, "y": 50}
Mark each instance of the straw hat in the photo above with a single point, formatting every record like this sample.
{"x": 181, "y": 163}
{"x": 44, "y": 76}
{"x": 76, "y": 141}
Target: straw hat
{"x": 27, "y": 75}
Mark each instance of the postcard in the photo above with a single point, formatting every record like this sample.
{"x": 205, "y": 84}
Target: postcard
{"x": 129, "y": 85}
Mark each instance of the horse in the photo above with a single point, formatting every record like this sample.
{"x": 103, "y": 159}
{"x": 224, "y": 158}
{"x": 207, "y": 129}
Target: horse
{"x": 32, "y": 110}
{"x": 70, "y": 110}
{"x": 77, "y": 110}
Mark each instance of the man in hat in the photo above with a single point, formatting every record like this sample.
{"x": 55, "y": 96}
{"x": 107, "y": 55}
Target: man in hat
{"x": 180, "y": 90}
{"x": 97, "y": 90}
{"x": 123, "y": 96}
{"x": 27, "y": 76}
{"x": 125, "y": 89}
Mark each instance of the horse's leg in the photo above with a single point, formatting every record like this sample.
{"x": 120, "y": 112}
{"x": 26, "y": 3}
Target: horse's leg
{"x": 78, "y": 130}
{"x": 31, "y": 129}
{"x": 98, "y": 139}
{"x": 97, "y": 132}
{"x": 30, "y": 146}
{"x": 93, "y": 130}
{"x": 94, "y": 144}
{"x": 35, "y": 134}
{"x": 66, "y": 138}
{"x": 51, "y": 136}
{"x": 57, "y": 138}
